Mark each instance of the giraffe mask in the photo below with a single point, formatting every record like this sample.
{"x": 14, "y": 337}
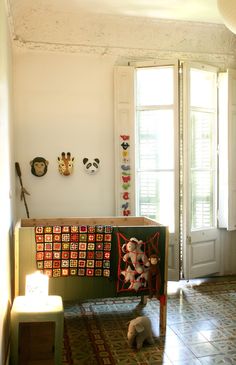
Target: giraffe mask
{"x": 65, "y": 164}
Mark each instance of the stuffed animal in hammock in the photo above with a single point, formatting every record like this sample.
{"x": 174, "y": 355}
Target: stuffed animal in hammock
{"x": 129, "y": 275}
{"x": 133, "y": 251}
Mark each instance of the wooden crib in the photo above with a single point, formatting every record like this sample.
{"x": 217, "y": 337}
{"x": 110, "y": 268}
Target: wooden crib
{"x": 81, "y": 288}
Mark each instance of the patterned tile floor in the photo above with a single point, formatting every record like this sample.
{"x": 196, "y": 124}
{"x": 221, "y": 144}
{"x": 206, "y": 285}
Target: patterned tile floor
{"x": 201, "y": 327}
{"x": 205, "y": 323}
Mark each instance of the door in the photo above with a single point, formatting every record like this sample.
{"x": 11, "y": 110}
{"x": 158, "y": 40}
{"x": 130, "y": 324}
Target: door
{"x": 201, "y": 249}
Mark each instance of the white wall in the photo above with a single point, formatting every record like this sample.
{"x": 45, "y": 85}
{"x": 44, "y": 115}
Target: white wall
{"x": 64, "y": 102}
{"x": 6, "y": 185}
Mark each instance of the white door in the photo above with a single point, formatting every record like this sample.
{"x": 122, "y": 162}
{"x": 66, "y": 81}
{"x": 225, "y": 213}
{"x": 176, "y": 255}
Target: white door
{"x": 201, "y": 249}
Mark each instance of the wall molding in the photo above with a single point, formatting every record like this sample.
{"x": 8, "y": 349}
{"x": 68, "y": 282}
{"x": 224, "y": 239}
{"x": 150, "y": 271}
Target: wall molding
{"x": 118, "y": 36}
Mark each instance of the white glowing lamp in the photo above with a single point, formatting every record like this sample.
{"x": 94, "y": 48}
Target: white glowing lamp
{"x": 227, "y": 9}
{"x": 36, "y": 285}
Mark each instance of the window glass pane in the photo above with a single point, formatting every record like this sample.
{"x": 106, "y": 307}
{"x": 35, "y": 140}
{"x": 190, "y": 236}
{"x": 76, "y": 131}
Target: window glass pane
{"x": 202, "y": 200}
{"x": 202, "y": 151}
{"x": 201, "y": 88}
{"x": 155, "y": 144}
{"x": 203, "y": 124}
{"x": 155, "y": 86}
{"x": 156, "y": 196}
{"x": 155, "y": 137}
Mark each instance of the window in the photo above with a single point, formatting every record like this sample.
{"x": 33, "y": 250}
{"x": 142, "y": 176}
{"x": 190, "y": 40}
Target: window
{"x": 166, "y": 117}
{"x": 155, "y": 102}
{"x": 155, "y": 143}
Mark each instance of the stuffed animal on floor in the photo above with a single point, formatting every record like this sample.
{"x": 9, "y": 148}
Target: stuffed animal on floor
{"x": 139, "y": 331}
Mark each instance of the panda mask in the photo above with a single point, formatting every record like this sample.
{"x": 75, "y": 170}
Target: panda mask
{"x": 91, "y": 166}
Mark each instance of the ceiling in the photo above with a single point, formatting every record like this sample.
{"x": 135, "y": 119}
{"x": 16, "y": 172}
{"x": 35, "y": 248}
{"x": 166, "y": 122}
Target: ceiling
{"x": 103, "y": 22}
{"x": 188, "y": 10}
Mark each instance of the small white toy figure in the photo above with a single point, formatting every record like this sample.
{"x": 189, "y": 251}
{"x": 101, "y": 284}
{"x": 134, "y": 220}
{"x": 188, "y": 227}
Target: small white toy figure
{"x": 140, "y": 330}
{"x": 91, "y": 166}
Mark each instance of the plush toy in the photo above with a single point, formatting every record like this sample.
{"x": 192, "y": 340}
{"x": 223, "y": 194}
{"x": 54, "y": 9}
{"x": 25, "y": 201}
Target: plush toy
{"x": 140, "y": 330}
{"x": 136, "y": 284}
{"x": 129, "y": 275}
{"x": 134, "y": 252}
{"x": 144, "y": 276}
{"x": 154, "y": 275}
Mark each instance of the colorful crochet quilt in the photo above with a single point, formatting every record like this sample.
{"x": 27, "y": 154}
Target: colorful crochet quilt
{"x": 73, "y": 250}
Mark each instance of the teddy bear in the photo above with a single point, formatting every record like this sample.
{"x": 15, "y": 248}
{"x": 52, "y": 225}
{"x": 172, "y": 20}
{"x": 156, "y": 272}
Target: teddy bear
{"x": 133, "y": 251}
{"x": 139, "y": 331}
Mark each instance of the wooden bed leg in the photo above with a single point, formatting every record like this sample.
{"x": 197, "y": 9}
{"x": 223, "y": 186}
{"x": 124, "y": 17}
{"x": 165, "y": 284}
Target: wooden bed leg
{"x": 143, "y": 299}
{"x": 163, "y": 314}
{"x": 163, "y": 297}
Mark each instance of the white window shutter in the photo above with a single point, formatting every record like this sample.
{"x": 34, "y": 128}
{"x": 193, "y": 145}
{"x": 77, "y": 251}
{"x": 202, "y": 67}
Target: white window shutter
{"x": 124, "y": 140}
{"x": 227, "y": 150}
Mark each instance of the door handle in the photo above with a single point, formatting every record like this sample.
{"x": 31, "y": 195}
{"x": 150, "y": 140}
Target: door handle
{"x": 189, "y": 240}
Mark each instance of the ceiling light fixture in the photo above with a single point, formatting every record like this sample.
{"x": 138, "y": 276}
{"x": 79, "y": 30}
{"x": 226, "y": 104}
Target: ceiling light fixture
{"x": 227, "y": 9}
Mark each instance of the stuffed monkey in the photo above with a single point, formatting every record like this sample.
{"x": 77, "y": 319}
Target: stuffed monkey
{"x": 154, "y": 275}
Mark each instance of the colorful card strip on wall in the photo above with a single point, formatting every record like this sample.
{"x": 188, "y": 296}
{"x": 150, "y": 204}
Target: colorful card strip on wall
{"x": 125, "y": 203}
{"x": 73, "y": 250}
